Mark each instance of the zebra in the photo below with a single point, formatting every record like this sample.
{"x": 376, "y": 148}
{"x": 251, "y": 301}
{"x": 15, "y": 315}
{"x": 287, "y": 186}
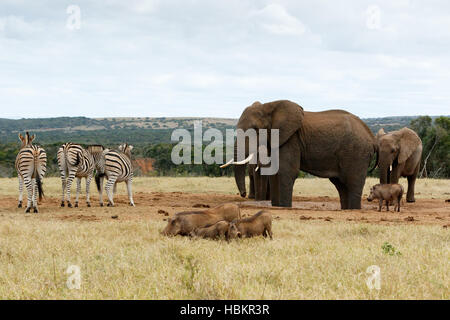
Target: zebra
{"x": 31, "y": 165}
{"x": 96, "y": 150}
{"x": 75, "y": 161}
{"x": 117, "y": 167}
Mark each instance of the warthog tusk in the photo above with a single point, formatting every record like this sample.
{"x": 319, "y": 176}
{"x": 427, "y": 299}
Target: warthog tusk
{"x": 249, "y": 158}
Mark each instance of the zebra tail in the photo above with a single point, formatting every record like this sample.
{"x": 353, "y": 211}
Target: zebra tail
{"x": 77, "y": 162}
{"x": 38, "y": 177}
{"x": 40, "y": 188}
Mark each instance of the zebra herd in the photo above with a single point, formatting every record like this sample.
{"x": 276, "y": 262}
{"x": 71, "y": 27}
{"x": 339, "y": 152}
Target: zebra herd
{"x": 74, "y": 161}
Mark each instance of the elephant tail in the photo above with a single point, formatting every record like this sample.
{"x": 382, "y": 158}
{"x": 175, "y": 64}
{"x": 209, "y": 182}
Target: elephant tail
{"x": 377, "y": 159}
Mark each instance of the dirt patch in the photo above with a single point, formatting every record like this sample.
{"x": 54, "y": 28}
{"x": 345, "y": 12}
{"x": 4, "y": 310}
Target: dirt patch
{"x": 79, "y": 217}
{"x": 156, "y": 206}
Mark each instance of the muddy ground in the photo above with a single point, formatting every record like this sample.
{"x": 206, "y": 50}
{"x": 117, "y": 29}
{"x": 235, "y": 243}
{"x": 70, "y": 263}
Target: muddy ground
{"x": 159, "y": 205}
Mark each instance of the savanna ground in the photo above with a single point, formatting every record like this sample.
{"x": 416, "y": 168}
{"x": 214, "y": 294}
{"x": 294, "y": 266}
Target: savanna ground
{"x": 318, "y": 252}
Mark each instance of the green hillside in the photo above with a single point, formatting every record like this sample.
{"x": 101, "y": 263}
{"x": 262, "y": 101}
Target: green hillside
{"x": 151, "y": 138}
{"x": 107, "y": 131}
{"x": 111, "y": 131}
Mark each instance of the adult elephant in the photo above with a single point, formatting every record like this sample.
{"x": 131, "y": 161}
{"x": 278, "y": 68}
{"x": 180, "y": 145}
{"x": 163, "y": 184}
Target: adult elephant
{"x": 332, "y": 144}
{"x": 400, "y": 150}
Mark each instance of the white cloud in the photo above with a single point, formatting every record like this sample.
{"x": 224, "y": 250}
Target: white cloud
{"x": 143, "y": 6}
{"x": 16, "y": 27}
{"x": 212, "y": 58}
{"x": 276, "y": 20}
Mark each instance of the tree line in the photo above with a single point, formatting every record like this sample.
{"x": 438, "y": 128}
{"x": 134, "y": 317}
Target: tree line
{"x": 435, "y": 135}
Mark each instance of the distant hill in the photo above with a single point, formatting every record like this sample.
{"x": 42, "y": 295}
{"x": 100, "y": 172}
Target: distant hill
{"x": 138, "y": 131}
{"x": 106, "y": 131}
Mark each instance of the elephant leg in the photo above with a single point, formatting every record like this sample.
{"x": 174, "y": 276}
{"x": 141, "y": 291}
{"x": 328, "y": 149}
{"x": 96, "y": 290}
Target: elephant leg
{"x": 354, "y": 178}
{"x": 258, "y": 185}
{"x": 251, "y": 194}
{"x": 268, "y": 189}
{"x": 262, "y": 186}
{"x": 342, "y": 190}
{"x": 275, "y": 190}
{"x": 355, "y": 190}
{"x": 282, "y": 183}
{"x": 286, "y": 189}
{"x": 354, "y": 197}
{"x": 411, "y": 184}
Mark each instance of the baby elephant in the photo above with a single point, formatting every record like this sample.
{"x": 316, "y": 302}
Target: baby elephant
{"x": 217, "y": 230}
{"x": 258, "y": 224}
{"x": 387, "y": 192}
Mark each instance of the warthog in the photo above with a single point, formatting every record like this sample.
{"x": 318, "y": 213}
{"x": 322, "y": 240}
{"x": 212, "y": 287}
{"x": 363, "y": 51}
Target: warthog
{"x": 217, "y": 230}
{"x": 387, "y": 192}
{"x": 183, "y": 223}
{"x": 258, "y": 224}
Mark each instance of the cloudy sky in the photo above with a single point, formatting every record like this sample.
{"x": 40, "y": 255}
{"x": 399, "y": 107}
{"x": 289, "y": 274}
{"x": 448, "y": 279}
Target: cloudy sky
{"x": 214, "y": 57}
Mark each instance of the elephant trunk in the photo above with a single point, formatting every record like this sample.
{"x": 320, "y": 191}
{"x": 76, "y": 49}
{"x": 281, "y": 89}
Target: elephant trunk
{"x": 239, "y": 175}
{"x": 385, "y": 174}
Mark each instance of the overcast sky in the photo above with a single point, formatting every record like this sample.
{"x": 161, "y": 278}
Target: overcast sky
{"x": 213, "y": 58}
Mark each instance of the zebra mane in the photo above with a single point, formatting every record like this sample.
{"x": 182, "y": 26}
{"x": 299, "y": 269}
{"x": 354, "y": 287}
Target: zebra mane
{"x": 27, "y": 140}
{"x": 126, "y": 149}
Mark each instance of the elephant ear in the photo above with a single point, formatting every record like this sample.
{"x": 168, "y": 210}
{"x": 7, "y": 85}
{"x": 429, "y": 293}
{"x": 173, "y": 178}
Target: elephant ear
{"x": 409, "y": 142}
{"x": 287, "y": 117}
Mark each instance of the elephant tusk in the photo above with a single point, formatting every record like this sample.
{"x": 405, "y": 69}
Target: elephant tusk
{"x": 257, "y": 168}
{"x": 390, "y": 168}
{"x": 249, "y": 158}
{"x": 227, "y": 164}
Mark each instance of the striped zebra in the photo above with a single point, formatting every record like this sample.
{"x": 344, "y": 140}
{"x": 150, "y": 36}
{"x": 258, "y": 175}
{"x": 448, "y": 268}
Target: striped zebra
{"x": 96, "y": 150}
{"x": 75, "y": 161}
{"x": 31, "y": 165}
{"x": 117, "y": 167}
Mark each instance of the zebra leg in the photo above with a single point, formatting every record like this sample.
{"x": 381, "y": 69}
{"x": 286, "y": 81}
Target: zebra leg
{"x": 109, "y": 190}
{"x": 130, "y": 193}
{"x": 100, "y": 191}
{"x": 64, "y": 184}
{"x": 20, "y": 191}
{"x": 88, "y": 183}
{"x": 78, "y": 191}
{"x": 29, "y": 186}
{"x": 69, "y": 186}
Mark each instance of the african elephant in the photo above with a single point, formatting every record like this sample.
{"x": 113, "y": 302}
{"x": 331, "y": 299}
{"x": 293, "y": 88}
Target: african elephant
{"x": 400, "y": 150}
{"x": 332, "y": 144}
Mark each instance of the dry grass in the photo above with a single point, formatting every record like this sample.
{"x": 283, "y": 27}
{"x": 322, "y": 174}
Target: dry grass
{"x": 129, "y": 259}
